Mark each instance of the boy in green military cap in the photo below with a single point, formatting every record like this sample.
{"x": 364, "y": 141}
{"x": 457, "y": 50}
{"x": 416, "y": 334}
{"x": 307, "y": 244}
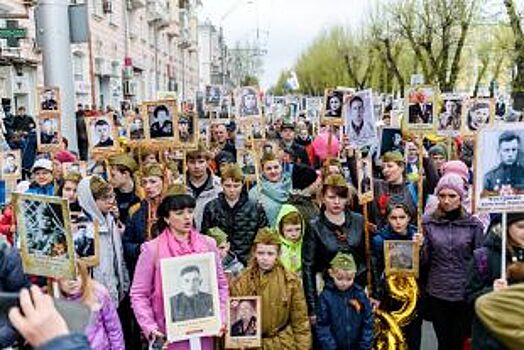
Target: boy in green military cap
{"x": 345, "y": 315}
{"x": 122, "y": 167}
{"x": 230, "y": 263}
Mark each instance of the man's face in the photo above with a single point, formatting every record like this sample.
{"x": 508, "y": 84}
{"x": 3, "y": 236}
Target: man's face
{"x": 118, "y": 178}
{"x": 221, "y": 134}
{"x": 49, "y": 95}
{"x": 103, "y": 132}
{"x": 161, "y": 116}
{"x": 10, "y": 160}
{"x": 357, "y": 111}
{"x": 47, "y": 127}
{"x": 480, "y": 116}
{"x": 245, "y": 311}
{"x": 191, "y": 282}
{"x": 232, "y": 189}
{"x": 250, "y": 101}
{"x": 137, "y": 124}
{"x": 509, "y": 152}
{"x": 196, "y": 167}
{"x": 183, "y": 128}
{"x": 287, "y": 134}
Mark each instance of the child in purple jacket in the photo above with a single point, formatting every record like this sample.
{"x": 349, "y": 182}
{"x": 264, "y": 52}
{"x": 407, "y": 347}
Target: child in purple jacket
{"x": 104, "y": 331}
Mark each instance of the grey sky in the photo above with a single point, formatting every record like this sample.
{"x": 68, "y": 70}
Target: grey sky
{"x": 286, "y": 27}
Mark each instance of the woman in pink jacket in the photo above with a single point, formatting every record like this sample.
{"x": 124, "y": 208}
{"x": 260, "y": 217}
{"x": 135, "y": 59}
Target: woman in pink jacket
{"x": 177, "y": 238}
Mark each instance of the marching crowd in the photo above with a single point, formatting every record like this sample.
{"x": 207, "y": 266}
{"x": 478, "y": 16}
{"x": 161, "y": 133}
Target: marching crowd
{"x": 296, "y": 237}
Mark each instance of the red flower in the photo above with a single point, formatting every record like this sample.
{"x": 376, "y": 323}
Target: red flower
{"x": 383, "y": 201}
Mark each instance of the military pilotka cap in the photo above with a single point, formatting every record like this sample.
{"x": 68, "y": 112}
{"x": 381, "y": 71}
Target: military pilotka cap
{"x": 288, "y": 125}
{"x": 176, "y": 190}
{"x": 344, "y": 262}
{"x": 152, "y": 170}
{"x": 393, "y": 156}
{"x": 218, "y": 235}
{"x": 267, "y": 236}
{"x": 124, "y": 159}
{"x": 335, "y": 180}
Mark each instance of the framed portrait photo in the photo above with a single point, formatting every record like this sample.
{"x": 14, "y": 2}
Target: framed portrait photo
{"x": 191, "y": 302}
{"x": 499, "y": 164}
{"x": 421, "y": 109}
{"x": 333, "y": 107}
{"x": 79, "y": 167}
{"x": 175, "y": 162}
{"x": 401, "y": 257}
{"x": 244, "y": 322}
{"x": 49, "y": 134}
{"x": 187, "y": 130}
{"x": 247, "y": 102}
{"x": 102, "y": 133}
{"x": 136, "y": 127}
{"x": 359, "y": 119}
{"x": 161, "y": 119}
{"x": 364, "y": 177}
{"x": 450, "y": 117}
{"x": 478, "y": 115}
{"x": 11, "y": 164}
{"x": 49, "y": 99}
{"x": 247, "y": 160}
{"x": 46, "y": 242}
{"x": 86, "y": 238}
{"x": 213, "y": 96}
{"x": 390, "y": 140}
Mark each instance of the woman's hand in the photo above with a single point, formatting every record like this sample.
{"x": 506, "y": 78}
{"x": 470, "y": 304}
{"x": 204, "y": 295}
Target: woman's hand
{"x": 222, "y": 330}
{"x": 375, "y": 304}
{"x": 313, "y": 320}
{"x": 500, "y": 284}
{"x": 418, "y": 238}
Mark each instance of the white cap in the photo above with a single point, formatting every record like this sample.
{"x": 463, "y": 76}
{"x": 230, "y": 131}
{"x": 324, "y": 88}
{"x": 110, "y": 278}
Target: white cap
{"x": 42, "y": 164}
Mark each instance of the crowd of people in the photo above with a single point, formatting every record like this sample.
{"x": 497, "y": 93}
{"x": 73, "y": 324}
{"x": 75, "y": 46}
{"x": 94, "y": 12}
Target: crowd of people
{"x": 297, "y": 237}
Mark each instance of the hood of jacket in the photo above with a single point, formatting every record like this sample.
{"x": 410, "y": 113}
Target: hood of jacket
{"x": 277, "y": 191}
{"x": 87, "y": 201}
{"x": 285, "y": 210}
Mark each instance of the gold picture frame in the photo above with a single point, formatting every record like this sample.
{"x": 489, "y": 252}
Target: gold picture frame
{"x": 86, "y": 238}
{"x": 241, "y": 334}
{"x": 49, "y": 99}
{"x": 421, "y": 107}
{"x": 48, "y": 131}
{"x": 332, "y": 112}
{"x": 11, "y": 165}
{"x": 165, "y": 131}
{"x": 364, "y": 177}
{"x": 401, "y": 257}
{"x": 102, "y": 134}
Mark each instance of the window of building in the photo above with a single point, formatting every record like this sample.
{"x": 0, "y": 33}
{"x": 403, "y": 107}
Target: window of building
{"x": 79, "y": 62}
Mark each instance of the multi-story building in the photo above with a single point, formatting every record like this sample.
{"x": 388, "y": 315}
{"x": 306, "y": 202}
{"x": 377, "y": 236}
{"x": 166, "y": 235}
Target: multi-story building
{"x": 211, "y": 53}
{"x": 136, "y": 48}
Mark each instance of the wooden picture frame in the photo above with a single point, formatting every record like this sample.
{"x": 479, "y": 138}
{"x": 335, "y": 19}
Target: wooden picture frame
{"x": 86, "y": 238}
{"x": 79, "y": 167}
{"x": 451, "y": 108}
{"x": 49, "y": 99}
{"x": 48, "y": 131}
{"x": 11, "y": 165}
{"x": 390, "y": 140}
{"x": 420, "y": 110}
{"x": 240, "y": 335}
{"x": 196, "y": 314}
{"x": 46, "y": 241}
{"x": 360, "y": 106}
{"x": 478, "y": 115}
{"x": 364, "y": 177}
{"x": 187, "y": 131}
{"x": 333, "y": 107}
{"x": 160, "y": 130}
{"x": 136, "y": 128}
{"x": 401, "y": 257}
{"x": 178, "y": 157}
{"x": 247, "y": 161}
{"x": 102, "y": 134}
{"x": 247, "y": 102}
{"x": 213, "y": 96}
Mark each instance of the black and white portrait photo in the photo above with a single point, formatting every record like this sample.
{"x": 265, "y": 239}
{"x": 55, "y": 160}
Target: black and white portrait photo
{"x": 360, "y": 119}
{"x": 244, "y": 323}
{"x": 450, "y": 115}
{"x": 79, "y": 167}
{"x": 401, "y": 257}
{"x": 213, "y": 95}
{"x": 478, "y": 115}
{"x": 420, "y": 108}
{"x": 85, "y": 238}
{"x": 161, "y": 120}
{"x": 49, "y": 99}
{"x": 186, "y": 129}
{"x": 45, "y": 235}
{"x": 101, "y": 132}
{"x": 247, "y": 162}
{"x": 191, "y": 302}
{"x": 248, "y": 104}
{"x": 364, "y": 174}
{"x": 333, "y": 103}
{"x": 136, "y": 127}
{"x": 48, "y": 128}
{"x": 500, "y": 168}
{"x": 391, "y": 140}
{"x": 11, "y": 164}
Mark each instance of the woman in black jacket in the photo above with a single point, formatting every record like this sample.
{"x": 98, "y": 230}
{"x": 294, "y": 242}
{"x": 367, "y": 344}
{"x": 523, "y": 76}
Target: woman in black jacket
{"x": 484, "y": 275}
{"x": 335, "y": 229}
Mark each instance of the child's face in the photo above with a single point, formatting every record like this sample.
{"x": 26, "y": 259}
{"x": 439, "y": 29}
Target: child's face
{"x": 343, "y": 279}
{"x": 292, "y": 232}
{"x": 223, "y": 249}
{"x": 70, "y": 287}
{"x": 399, "y": 220}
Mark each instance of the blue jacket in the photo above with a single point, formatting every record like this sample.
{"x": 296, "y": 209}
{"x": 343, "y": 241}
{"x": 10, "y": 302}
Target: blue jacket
{"x": 72, "y": 341}
{"x": 47, "y": 190}
{"x": 377, "y": 256}
{"x": 339, "y": 326}
{"x": 12, "y": 279}
{"x": 134, "y": 236}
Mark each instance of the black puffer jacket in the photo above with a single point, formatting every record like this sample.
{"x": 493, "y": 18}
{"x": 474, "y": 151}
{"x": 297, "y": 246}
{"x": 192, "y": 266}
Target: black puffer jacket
{"x": 484, "y": 270}
{"x": 241, "y": 222}
{"x": 322, "y": 241}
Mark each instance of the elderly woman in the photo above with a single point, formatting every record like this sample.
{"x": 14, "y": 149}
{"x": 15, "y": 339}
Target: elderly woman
{"x": 451, "y": 236}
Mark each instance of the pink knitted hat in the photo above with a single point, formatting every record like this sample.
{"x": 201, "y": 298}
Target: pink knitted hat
{"x": 453, "y": 182}
{"x": 456, "y": 167}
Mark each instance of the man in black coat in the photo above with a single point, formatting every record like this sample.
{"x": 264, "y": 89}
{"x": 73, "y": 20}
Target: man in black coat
{"x": 234, "y": 213}
{"x": 288, "y": 144}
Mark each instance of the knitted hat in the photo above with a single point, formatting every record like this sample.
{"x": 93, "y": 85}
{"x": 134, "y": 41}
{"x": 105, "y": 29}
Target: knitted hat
{"x": 65, "y": 156}
{"x": 152, "y": 170}
{"x": 438, "y": 149}
{"x": 514, "y": 217}
{"x": 217, "y": 234}
{"x": 344, "y": 262}
{"x": 456, "y": 167}
{"x": 453, "y": 182}
{"x": 267, "y": 236}
{"x": 124, "y": 159}
{"x": 303, "y": 176}
{"x": 393, "y": 156}
{"x": 335, "y": 180}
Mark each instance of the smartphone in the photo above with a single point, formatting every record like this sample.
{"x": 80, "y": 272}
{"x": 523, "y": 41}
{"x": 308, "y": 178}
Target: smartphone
{"x": 75, "y": 314}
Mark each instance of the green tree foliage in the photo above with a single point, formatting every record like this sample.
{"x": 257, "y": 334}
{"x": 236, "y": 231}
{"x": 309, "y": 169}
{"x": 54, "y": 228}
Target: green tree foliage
{"x": 518, "y": 32}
